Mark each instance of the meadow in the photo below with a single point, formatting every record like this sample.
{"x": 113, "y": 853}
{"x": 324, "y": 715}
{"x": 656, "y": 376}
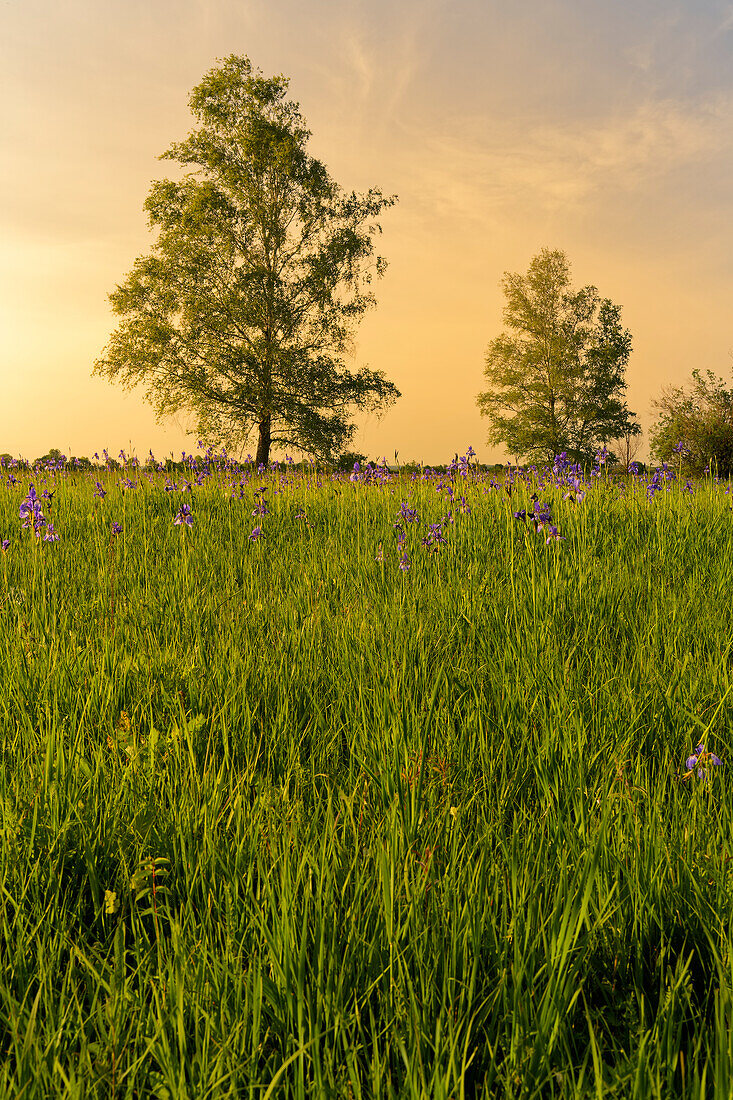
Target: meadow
{"x": 364, "y": 785}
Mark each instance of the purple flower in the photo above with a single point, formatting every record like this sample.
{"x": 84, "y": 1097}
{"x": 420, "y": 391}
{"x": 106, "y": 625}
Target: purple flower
{"x": 184, "y": 515}
{"x": 51, "y": 535}
{"x": 256, "y": 533}
{"x": 404, "y": 563}
{"x": 4, "y": 545}
{"x": 521, "y": 514}
{"x": 116, "y": 529}
{"x": 100, "y": 491}
{"x": 554, "y": 535}
{"x": 31, "y": 512}
{"x": 700, "y": 759}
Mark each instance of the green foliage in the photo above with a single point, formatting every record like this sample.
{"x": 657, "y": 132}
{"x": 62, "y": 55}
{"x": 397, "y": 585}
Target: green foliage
{"x": 244, "y": 311}
{"x": 700, "y": 418}
{"x": 556, "y": 378}
{"x": 348, "y": 458}
{"x": 277, "y": 816}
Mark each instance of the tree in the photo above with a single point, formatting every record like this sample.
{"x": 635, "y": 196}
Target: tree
{"x": 245, "y": 308}
{"x": 694, "y": 424}
{"x": 556, "y": 378}
{"x": 626, "y": 448}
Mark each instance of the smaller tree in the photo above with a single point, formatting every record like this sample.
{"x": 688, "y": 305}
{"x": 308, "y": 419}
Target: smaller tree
{"x": 556, "y": 377}
{"x": 346, "y": 460}
{"x": 694, "y": 424}
{"x": 626, "y": 447}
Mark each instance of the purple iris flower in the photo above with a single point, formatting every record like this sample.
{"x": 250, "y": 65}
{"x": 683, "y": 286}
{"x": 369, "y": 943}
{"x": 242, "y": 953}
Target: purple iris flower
{"x": 51, "y": 535}
{"x": 184, "y": 515}
{"x": 116, "y": 529}
{"x": 100, "y": 491}
{"x": 554, "y": 535}
{"x": 256, "y": 533}
{"x": 700, "y": 759}
{"x": 404, "y": 563}
{"x": 4, "y": 545}
{"x": 521, "y": 514}
{"x": 31, "y": 512}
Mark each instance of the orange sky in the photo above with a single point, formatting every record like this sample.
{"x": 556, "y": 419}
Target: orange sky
{"x": 605, "y": 130}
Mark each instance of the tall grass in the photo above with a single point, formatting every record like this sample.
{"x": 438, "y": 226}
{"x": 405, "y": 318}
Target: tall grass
{"x": 281, "y": 819}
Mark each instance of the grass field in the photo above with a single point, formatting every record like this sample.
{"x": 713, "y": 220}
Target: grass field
{"x": 283, "y": 819}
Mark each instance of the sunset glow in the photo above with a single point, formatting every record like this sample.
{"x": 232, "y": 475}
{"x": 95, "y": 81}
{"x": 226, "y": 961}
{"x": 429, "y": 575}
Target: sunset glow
{"x": 602, "y": 130}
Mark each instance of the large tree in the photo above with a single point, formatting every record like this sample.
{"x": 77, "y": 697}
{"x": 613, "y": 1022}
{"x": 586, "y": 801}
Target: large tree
{"x": 556, "y": 377}
{"x": 244, "y": 311}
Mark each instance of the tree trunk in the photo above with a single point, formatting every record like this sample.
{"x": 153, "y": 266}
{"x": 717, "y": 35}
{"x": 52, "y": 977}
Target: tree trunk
{"x": 263, "y": 443}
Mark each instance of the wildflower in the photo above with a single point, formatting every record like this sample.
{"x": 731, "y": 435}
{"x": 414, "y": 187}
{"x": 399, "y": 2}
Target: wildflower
{"x": 111, "y": 902}
{"x": 31, "y": 512}
{"x": 51, "y": 535}
{"x": 521, "y": 514}
{"x": 700, "y": 759}
{"x": 380, "y": 554}
{"x": 100, "y": 491}
{"x": 116, "y": 529}
{"x": 404, "y": 563}
{"x": 554, "y": 534}
{"x": 256, "y": 533}
{"x": 4, "y": 545}
{"x": 184, "y": 515}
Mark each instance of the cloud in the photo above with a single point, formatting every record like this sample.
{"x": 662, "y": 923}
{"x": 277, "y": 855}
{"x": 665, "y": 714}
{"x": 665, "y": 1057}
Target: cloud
{"x": 377, "y": 55}
{"x": 473, "y": 163}
{"x": 726, "y": 23}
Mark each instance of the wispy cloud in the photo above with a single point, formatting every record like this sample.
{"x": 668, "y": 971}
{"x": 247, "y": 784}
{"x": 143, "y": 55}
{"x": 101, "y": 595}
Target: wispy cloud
{"x": 377, "y": 59}
{"x": 475, "y": 162}
{"x": 726, "y": 23}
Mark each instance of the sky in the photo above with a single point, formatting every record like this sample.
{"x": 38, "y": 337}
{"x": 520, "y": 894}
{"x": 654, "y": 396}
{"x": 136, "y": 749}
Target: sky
{"x": 604, "y": 130}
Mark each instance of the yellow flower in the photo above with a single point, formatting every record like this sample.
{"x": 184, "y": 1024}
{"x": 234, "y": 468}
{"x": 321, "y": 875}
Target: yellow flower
{"x": 111, "y": 904}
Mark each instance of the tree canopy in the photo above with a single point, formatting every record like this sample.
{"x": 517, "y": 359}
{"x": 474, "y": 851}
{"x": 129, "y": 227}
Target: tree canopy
{"x": 694, "y": 424}
{"x": 556, "y": 377}
{"x": 244, "y": 311}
